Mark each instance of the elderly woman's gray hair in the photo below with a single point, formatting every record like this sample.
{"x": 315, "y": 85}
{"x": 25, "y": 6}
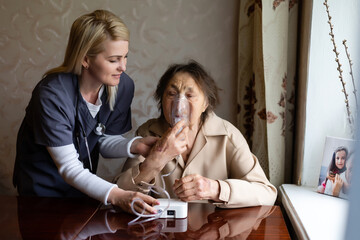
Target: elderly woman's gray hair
{"x": 205, "y": 82}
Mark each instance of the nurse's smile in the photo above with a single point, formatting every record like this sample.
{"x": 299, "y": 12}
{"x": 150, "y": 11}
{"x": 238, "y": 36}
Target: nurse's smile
{"x": 117, "y": 76}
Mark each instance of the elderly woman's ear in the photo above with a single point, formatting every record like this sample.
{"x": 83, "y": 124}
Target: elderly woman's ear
{"x": 205, "y": 106}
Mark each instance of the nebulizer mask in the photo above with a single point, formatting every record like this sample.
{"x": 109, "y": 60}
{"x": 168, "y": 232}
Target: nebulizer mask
{"x": 180, "y": 110}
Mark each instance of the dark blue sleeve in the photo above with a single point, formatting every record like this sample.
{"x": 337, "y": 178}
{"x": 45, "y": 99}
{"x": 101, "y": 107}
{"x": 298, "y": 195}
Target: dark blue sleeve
{"x": 120, "y": 119}
{"x": 51, "y": 115}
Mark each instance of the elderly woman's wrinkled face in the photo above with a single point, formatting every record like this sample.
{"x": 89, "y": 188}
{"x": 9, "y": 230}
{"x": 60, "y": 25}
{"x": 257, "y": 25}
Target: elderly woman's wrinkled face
{"x": 184, "y": 84}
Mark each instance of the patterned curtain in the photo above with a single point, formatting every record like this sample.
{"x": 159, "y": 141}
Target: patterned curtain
{"x": 266, "y": 82}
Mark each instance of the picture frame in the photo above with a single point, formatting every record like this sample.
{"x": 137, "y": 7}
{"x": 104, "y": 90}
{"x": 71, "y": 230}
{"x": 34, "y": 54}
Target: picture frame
{"x": 336, "y": 168}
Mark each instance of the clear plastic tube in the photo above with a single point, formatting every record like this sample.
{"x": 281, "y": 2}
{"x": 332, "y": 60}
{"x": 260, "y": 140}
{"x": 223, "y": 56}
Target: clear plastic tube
{"x": 156, "y": 234}
{"x": 180, "y": 109}
{"x": 156, "y": 190}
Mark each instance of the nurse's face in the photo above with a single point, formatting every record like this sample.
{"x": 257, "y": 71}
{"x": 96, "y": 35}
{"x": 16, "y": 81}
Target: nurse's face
{"x": 183, "y": 83}
{"x": 107, "y": 66}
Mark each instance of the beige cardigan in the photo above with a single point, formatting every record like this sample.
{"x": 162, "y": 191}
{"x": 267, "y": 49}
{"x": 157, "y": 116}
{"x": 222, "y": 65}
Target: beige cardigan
{"x": 220, "y": 152}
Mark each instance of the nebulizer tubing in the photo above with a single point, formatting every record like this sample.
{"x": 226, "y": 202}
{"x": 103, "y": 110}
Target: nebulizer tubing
{"x": 156, "y": 234}
{"x": 180, "y": 110}
{"x": 150, "y": 217}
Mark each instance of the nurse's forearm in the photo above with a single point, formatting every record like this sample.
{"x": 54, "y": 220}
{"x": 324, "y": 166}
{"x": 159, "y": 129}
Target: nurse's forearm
{"x": 116, "y": 146}
{"x": 73, "y": 172}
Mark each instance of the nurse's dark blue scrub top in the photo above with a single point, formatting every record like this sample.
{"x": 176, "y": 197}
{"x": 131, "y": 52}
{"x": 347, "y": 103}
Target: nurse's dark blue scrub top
{"x": 51, "y": 121}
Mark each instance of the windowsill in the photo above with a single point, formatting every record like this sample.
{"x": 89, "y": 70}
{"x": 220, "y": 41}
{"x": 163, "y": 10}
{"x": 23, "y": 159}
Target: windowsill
{"x": 314, "y": 215}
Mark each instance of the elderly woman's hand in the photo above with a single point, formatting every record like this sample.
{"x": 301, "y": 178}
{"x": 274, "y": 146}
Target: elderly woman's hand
{"x": 172, "y": 143}
{"x": 196, "y": 187}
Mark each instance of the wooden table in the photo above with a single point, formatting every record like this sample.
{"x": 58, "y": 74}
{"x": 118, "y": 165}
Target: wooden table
{"x": 44, "y": 218}
{"x": 59, "y": 218}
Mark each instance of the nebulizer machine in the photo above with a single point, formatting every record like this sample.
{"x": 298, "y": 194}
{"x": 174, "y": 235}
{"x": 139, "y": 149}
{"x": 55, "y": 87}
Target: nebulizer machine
{"x": 168, "y": 208}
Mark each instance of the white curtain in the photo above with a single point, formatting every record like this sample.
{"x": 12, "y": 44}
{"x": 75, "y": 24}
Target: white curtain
{"x": 266, "y": 82}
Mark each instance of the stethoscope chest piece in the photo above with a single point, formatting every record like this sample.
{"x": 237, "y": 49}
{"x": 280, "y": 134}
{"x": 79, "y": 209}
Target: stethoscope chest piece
{"x": 100, "y": 129}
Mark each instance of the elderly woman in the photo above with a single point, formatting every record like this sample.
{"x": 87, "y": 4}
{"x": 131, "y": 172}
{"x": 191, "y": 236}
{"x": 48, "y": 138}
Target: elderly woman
{"x": 216, "y": 164}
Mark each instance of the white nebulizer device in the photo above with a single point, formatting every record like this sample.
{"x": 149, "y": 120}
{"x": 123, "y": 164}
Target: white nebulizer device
{"x": 168, "y": 208}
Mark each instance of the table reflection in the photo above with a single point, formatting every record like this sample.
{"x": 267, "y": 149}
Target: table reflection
{"x": 229, "y": 223}
{"x": 53, "y": 218}
{"x": 70, "y": 218}
{"x": 204, "y": 221}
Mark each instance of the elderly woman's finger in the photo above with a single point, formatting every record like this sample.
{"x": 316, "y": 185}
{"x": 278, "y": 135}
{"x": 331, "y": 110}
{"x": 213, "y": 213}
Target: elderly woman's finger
{"x": 183, "y": 134}
{"x": 187, "y": 193}
{"x": 179, "y": 127}
{"x": 183, "y": 183}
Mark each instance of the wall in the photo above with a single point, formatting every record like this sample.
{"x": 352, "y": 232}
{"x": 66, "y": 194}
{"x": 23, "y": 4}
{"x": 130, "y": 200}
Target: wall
{"x": 33, "y": 36}
{"x": 325, "y": 106}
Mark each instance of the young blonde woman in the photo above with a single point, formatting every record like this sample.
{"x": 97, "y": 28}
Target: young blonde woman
{"x": 78, "y": 110}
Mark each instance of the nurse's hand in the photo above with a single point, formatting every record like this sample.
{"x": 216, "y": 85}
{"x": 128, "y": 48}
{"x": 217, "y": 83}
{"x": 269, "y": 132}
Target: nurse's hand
{"x": 143, "y": 146}
{"x": 123, "y": 199}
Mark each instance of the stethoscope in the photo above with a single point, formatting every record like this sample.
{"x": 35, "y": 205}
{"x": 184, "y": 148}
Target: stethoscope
{"x": 99, "y": 130}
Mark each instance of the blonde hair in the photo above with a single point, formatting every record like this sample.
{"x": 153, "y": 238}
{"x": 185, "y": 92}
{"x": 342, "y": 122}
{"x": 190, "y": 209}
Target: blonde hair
{"x": 87, "y": 34}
